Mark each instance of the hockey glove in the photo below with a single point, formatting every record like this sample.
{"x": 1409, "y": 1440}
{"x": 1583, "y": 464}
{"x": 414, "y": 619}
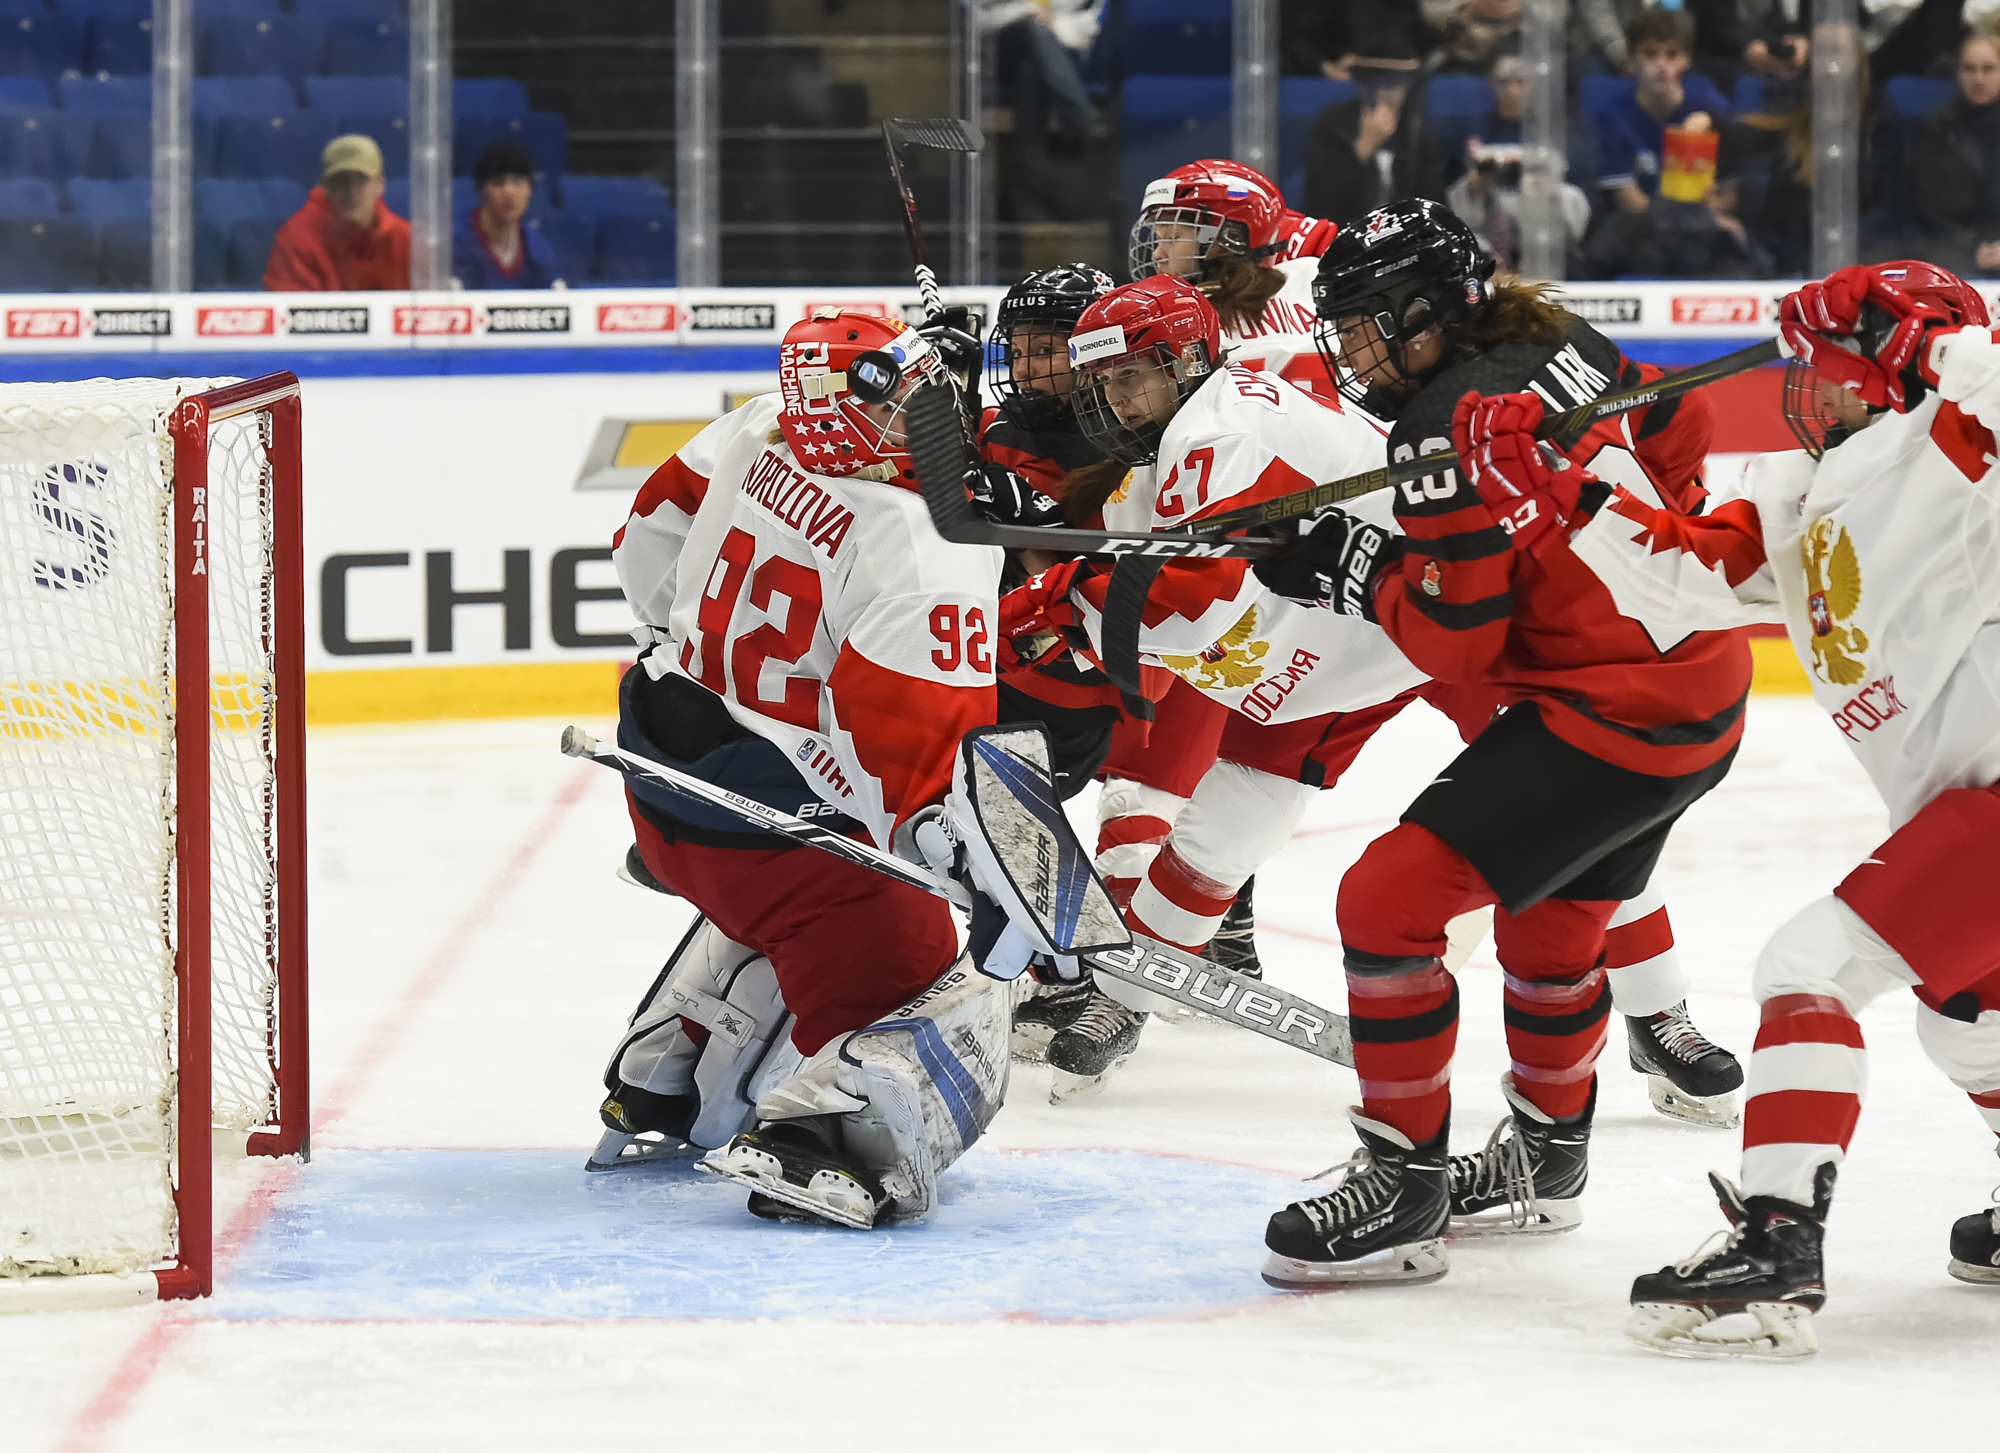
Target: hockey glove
{"x": 955, "y": 336}
{"x": 1335, "y": 563}
{"x": 1037, "y": 619}
{"x": 1528, "y": 484}
{"x": 1819, "y": 323}
{"x": 1006, "y": 498}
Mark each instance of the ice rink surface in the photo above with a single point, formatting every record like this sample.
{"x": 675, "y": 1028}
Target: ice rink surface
{"x": 443, "y": 1275}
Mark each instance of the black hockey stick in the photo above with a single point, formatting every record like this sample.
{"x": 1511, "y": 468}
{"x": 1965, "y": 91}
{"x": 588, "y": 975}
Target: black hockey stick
{"x": 953, "y": 515}
{"x": 939, "y": 133}
{"x": 1160, "y": 968}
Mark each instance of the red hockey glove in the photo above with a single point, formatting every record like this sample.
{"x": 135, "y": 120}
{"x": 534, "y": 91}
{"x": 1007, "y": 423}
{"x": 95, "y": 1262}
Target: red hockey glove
{"x": 1819, "y": 320}
{"x": 1035, "y": 618}
{"x": 1527, "y": 483}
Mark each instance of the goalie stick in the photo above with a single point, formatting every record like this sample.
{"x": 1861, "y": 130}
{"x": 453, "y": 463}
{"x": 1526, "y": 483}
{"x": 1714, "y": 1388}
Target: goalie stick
{"x": 940, "y": 133}
{"x": 937, "y": 447}
{"x": 1157, "y": 967}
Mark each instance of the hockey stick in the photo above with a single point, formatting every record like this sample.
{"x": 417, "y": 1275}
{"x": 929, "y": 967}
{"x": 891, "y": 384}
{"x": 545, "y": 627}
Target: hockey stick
{"x": 940, "y": 133}
{"x": 940, "y": 472}
{"x": 1157, "y": 967}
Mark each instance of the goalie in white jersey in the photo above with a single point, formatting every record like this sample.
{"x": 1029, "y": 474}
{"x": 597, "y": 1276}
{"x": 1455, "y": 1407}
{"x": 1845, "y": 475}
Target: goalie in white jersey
{"x": 810, "y": 643}
{"x": 1878, "y": 548}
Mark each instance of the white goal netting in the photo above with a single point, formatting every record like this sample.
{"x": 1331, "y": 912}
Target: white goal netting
{"x": 88, "y": 815}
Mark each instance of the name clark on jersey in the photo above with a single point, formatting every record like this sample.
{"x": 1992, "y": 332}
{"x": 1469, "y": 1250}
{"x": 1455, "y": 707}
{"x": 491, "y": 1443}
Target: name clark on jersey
{"x": 797, "y": 502}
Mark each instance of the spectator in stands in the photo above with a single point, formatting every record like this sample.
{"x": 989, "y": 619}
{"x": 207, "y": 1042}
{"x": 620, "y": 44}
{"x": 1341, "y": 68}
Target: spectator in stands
{"x": 1479, "y": 30}
{"x": 1955, "y": 173}
{"x": 1373, "y": 149}
{"x": 1036, "y": 52}
{"x": 1597, "y": 36}
{"x": 1754, "y": 37}
{"x": 1487, "y": 191}
{"x": 1329, "y": 37}
{"x": 489, "y": 247}
{"x": 344, "y": 239}
{"x": 1643, "y": 232}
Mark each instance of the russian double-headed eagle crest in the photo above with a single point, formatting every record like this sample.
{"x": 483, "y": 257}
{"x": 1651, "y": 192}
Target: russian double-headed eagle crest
{"x": 1230, "y": 662}
{"x": 1833, "y": 594}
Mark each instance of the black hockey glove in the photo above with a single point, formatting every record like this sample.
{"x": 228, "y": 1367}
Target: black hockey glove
{"x": 1334, "y": 564}
{"x": 1005, "y": 498}
{"x": 956, "y": 338}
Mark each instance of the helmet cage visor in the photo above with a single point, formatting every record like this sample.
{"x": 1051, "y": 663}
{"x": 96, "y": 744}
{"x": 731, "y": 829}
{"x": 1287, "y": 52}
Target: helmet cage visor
{"x": 1810, "y": 409}
{"x": 1364, "y": 352}
{"x": 1033, "y": 380}
{"x": 1171, "y": 377}
{"x": 1183, "y": 241}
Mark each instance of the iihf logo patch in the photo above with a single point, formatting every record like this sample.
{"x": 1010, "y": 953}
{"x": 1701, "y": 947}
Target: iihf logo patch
{"x": 806, "y": 749}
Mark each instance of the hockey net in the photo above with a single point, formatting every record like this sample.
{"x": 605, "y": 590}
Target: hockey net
{"x": 151, "y": 883}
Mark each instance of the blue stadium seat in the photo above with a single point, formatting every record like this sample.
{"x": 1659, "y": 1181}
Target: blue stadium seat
{"x": 237, "y": 10}
{"x": 117, "y": 96}
{"x": 39, "y": 44}
{"x": 394, "y": 12}
{"x": 122, "y": 146}
{"x": 1178, "y": 37}
{"x": 119, "y": 45}
{"x": 72, "y": 140}
{"x": 1600, "y": 93}
{"x": 29, "y": 199}
{"x": 1170, "y": 121}
{"x": 19, "y": 94}
{"x": 90, "y": 9}
{"x": 356, "y": 95}
{"x": 495, "y": 96}
{"x": 246, "y": 251}
{"x": 28, "y": 145}
{"x": 218, "y": 96}
{"x": 223, "y": 201}
{"x": 1300, "y": 100}
{"x": 1451, "y": 94}
{"x": 616, "y": 197}
{"x": 365, "y": 48}
{"x": 636, "y": 249}
{"x": 1911, "y": 98}
{"x": 98, "y": 201}
{"x": 396, "y": 196}
{"x": 282, "y": 196}
{"x": 391, "y": 133}
{"x": 270, "y": 146}
{"x": 284, "y": 46}
{"x": 543, "y": 133}
{"x": 47, "y": 257}
{"x": 125, "y": 253}
{"x": 575, "y": 241}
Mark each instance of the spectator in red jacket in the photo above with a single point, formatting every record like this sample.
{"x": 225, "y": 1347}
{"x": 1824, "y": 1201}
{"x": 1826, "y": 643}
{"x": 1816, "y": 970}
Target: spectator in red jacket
{"x": 344, "y": 239}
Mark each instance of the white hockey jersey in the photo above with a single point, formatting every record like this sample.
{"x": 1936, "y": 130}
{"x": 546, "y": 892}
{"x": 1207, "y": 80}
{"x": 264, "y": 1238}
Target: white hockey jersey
{"x": 826, "y": 613}
{"x": 1281, "y": 339}
{"x": 1882, "y": 561}
{"x": 1247, "y": 435}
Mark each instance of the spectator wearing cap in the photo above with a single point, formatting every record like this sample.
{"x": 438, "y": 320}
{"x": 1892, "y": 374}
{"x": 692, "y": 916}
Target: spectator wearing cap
{"x": 490, "y": 249}
{"x": 344, "y": 239}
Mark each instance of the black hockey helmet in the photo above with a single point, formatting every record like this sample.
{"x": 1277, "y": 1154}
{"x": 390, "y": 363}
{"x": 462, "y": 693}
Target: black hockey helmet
{"x": 1386, "y": 279}
{"x": 1046, "y": 302}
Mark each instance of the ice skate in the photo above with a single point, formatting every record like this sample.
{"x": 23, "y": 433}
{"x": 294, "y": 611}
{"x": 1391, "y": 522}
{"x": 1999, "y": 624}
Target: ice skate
{"x": 1087, "y": 1051}
{"x": 1235, "y": 943}
{"x": 792, "y": 1163}
{"x": 1752, "y": 1297}
{"x": 634, "y": 871}
{"x": 1687, "y": 1077}
{"x": 1384, "y": 1222}
{"x": 1038, "y": 1018}
{"x": 1975, "y": 1247}
{"x": 1529, "y": 1178}
{"x": 642, "y": 1129}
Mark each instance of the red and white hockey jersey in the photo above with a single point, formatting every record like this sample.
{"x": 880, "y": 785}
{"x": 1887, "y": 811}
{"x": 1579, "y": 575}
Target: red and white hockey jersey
{"x": 826, "y": 613}
{"x": 1244, "y": 436}
{"x": 1882, "y": 561}
{"x": 1281, "y": 339}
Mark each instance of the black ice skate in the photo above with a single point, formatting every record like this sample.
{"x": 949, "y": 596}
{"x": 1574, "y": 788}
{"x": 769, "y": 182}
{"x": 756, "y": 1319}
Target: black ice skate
{"x": 1383, "y": 1223}
{"x": 634, "y": 871}
{"x": 1235, "y": 943}
{"x": 642, "y": 1128}
{"x": 1529, "y": 1178}
{"x": 1975, "y": 1247}
{"x": 1050, "y": 1008}
{"x": 794, "y": 1163}
{"x": 1754, "y": 1296}
{"x": 1085, "y": 1052}
{"x": 1687, "y": 1078}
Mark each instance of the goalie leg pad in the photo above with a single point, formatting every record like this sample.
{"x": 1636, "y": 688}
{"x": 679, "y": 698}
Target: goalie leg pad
{"x": 656, "y": 1052}
{"x": 911, "y": 1092}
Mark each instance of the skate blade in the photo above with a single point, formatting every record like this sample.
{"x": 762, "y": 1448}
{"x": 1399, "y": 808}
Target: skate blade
{"x": 831, "y": 1198}
{"x": 617, "y": 1151}
{"x": 1974, "y": 1273}
{"x": 1417, "y": 1264}
{"x": 1066, "y": 1088}
{"x": 1716, "y": 1112}
{"x": 1763, "y": 1332}
{"x": 1542, "y": 1218}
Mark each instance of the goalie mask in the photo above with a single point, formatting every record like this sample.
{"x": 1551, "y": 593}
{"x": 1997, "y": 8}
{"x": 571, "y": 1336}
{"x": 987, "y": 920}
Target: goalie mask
{"x": 843, "y": 377}
{"x": 1821, "y": 413}
{"x": 1196, "y": 216}
{"x": 1138, "y": 352}
{"x": 1032, "y": 329}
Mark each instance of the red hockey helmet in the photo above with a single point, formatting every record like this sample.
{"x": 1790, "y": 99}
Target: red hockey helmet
{"x": 1197, "y": 215}
{"x": 842, "y": 379}
{"x": 1821, "y": 415}
{"x": 1138, "y": 352}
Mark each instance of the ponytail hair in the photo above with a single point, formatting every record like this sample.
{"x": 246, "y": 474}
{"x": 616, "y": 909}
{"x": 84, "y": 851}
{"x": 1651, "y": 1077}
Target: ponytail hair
{"x": 1519, "y": 313}
{"x": 1240, "y": 290}
{"x": 1085, "y": 491}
